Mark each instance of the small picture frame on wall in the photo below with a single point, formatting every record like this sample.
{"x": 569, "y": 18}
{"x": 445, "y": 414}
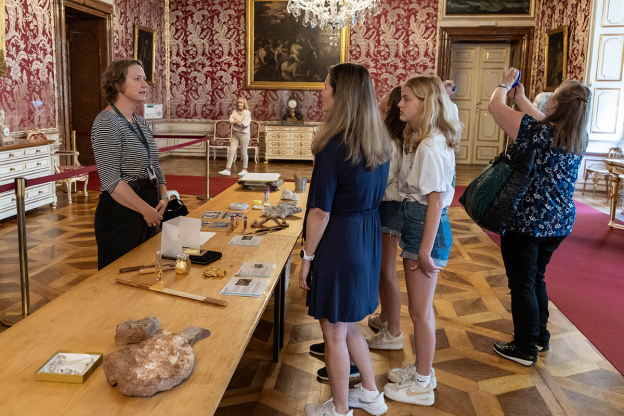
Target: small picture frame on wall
{"x": 145, "y": 50}
{"x": 283, "y": 54}
{"x": 488, "y": 9}
{"x": 555, "y": 57}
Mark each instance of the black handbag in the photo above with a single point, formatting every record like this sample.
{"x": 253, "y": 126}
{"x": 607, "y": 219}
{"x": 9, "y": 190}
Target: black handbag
{"x": 492, "y": 199}
{"x": 175, "y": 208}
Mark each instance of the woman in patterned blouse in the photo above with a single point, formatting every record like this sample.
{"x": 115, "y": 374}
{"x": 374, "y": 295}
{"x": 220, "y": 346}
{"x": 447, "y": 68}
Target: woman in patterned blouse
{"x": 546, "y": 214}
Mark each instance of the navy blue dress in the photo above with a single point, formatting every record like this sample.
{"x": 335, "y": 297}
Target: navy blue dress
{"x": 344, "y": 277}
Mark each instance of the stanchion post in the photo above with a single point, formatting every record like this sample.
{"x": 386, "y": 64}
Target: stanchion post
{"x": 11, "y": 318}
{"x": 207, "y": 196}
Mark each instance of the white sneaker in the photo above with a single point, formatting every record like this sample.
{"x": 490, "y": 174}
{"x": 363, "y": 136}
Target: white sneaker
{"x": 383, "y": 340}
{"x": 225, "y": 172}
{"x": 325, "y": 409}
{"x": 396, "y": 375}
{"x": 408, "y": 391}
{"x": 242, "y": 172}
{"x": 376, "y": 323}
{"x": 370, "y": 401}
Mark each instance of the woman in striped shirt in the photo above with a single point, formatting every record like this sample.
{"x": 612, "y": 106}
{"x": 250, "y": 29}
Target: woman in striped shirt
{"x": 133, "y": 196}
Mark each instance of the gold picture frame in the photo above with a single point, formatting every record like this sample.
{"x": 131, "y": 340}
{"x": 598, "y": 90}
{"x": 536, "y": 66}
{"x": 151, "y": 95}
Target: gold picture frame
{"x": 3, "y": 68}
{"x": 487, "y": 10}
{"x": 145, "y": 50}
{"x": 280, "y": 50}
{"x": 555, "y": 57}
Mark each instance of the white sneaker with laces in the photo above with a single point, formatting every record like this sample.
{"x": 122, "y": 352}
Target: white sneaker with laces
{"x": 383, "y": 340}
{"x": 396, "y": 375}
{"x": 324, "y": 409}
{"x": 242, "y": 172}
{"x": 225, "y": 172}
{"x": 408, "y": 391}
{"x": 376, "y": 323}
{"x": 370, "y": 401}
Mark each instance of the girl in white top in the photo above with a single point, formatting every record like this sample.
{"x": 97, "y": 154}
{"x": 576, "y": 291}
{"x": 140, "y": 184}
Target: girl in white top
{"x": 240, "y": 120}
{"x": 427, "y": 182}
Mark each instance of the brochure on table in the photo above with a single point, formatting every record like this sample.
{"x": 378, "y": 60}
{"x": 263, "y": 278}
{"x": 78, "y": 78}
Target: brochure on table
{"x": 251, "y": 269}
{"x": 245, "y": 286}
{"x": 245, "y": 240}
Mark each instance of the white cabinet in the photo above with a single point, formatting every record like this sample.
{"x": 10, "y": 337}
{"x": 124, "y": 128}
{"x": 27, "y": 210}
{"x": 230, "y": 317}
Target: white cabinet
{"x": 289, "y": 142}
{"x": 27, "y": 160}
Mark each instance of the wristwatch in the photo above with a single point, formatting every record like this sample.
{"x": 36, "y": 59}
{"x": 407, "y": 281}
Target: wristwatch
{"x": 165, "y": 197}
{"x": 304, "y": 256}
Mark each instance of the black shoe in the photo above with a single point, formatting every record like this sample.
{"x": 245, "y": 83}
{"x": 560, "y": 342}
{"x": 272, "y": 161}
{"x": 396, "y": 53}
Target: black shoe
{"x": 353, "y": 373}
{"x": 318, "y": 349}
{"x": 510, "y": 351}
{"x": 543, "y": 346}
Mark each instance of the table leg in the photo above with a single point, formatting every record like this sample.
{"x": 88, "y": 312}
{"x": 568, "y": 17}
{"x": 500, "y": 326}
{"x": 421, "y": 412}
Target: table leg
{"x": 616, "y": 185}
{"x": 277, "y": 325}
{"x": 282, "y": 305}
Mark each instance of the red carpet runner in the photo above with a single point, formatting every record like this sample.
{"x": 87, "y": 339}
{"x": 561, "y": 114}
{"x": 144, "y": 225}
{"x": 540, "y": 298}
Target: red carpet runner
{"x": 585, "y": 279}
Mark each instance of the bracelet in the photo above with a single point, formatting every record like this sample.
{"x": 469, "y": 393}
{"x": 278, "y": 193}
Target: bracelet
{"x": 164, "y": 196}
{"x": 504, "y": 86}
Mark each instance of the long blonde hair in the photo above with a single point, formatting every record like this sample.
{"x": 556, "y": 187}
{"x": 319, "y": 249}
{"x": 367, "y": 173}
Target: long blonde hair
{"x": 436, "y": 114}
{"x": 570, "y": 116}
{"x": 355, "y": 114}
{"x": 245, "y": 104}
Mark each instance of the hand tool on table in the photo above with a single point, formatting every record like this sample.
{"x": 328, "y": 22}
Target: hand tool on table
{"x": 137, "y": 268}
{"x": 157, "y": 288}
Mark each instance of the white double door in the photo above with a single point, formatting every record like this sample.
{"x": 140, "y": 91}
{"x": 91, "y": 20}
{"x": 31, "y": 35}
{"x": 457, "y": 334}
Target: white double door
{"x": 477, "y": 70}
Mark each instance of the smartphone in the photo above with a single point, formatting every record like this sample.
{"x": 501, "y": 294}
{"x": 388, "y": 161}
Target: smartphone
{"x": 515, "y": 84}
{"x": 206, "y": 257}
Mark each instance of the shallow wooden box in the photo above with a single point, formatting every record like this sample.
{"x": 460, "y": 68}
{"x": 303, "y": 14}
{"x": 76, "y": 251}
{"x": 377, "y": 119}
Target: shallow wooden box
{"x": 69, "y": 378}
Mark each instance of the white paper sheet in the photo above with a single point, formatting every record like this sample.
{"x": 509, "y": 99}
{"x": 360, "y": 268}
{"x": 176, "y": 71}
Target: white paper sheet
{"x": 245, "y": 286}
{"x": 205, "y": 236}
{"x": 245, "y": 240}
{"x": 177, "y": 233}
{"x": 252, "y": 269}
{"x": 260, "y": 177}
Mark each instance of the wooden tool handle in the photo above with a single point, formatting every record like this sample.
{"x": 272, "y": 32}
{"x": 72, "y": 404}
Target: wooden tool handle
{"x": 135, "y": 284}
{"x": 153, "y": 269}
{"x": 215, "y": 301}
{"x": 131, "y": 269}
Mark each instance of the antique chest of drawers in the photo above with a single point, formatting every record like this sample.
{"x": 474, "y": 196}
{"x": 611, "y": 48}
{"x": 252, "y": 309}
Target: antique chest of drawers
{"x": 289, "y": 142}
{"x": 30, "y": 160}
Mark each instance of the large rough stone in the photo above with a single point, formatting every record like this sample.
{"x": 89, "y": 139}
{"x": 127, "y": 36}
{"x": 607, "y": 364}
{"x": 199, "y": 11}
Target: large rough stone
{"x": 156, "y": 364}
{"x": 131, "y": 332}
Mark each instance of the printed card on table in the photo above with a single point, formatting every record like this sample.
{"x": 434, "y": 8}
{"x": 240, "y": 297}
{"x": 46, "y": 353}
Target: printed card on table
{"x": 252, "y": 269}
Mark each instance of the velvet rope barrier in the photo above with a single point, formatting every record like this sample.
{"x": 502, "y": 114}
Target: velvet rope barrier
{"x": 92, "y": 168}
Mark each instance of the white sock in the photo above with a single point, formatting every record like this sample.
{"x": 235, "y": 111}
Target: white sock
{"x": 370, "y": 393}
{"x": 423, "y": 381}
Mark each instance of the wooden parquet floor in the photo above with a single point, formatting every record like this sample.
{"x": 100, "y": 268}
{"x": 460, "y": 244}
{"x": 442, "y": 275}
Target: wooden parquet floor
{"x": 472, "y": 306}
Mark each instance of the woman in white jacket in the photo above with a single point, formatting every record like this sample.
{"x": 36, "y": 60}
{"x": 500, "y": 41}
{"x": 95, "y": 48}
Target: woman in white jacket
{"x": 240, "y": 120}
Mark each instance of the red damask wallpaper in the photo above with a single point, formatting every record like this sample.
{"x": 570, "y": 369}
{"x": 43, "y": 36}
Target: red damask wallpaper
{"x": 151, "y": 14}
{"x": 208, "y": 57}
{"x": 28, "y": 93}
{"x": 551, "y": 14}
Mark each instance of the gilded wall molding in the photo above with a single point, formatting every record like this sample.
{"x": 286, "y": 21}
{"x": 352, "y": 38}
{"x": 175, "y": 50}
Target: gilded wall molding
{"x": 167, "y": 63}
{"x": 3, "y": 68}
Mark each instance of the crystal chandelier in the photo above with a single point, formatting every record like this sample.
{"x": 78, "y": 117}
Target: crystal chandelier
{"x": 334, "y": 14}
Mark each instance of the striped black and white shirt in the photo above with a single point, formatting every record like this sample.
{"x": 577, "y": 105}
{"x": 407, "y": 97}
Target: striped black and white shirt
{"x": 119, "y": 153}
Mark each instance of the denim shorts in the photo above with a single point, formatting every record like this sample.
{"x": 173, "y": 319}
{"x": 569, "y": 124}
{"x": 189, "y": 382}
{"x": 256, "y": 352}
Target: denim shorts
{"x": 413, "y": 228}
{"x": 391, "y": 213}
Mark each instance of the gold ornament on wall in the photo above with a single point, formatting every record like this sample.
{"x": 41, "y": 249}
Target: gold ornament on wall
{"x": 3, "y": 68}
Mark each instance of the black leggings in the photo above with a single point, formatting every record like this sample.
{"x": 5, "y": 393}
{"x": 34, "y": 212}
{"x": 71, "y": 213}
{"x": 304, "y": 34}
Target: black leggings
{"x": 118, "y": 229}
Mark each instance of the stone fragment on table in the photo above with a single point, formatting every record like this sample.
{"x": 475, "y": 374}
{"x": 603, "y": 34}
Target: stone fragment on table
{"x": 192, "y": 334}
{"x": 282, "y": 210}
{"x": 156, "y": 364}
{"x": 131, "y": 332}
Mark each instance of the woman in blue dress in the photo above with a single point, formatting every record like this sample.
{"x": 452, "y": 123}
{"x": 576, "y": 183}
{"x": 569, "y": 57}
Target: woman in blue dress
{"x": 342, "y": 248}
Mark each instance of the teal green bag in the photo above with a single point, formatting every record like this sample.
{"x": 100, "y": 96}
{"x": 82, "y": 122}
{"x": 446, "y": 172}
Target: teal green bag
{"x": 492, "y": 199}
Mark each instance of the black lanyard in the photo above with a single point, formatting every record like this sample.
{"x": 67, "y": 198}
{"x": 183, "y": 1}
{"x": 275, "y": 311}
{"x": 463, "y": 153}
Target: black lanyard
{"x": 139, "y": 134}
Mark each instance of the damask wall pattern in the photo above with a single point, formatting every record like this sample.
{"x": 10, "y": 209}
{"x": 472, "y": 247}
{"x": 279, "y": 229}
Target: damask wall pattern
{"x": 552, "y": 14}
{"x": 208, "y": 57}
{"x": 28, "y": 93}
{"x": 151, "y": 14}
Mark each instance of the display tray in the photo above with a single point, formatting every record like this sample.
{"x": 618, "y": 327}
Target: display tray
{"x": 69, "y": 367}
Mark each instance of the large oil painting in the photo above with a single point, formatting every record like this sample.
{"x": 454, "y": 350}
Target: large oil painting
{"x": 145, "y": 50}
{"x": 284, "y": 54}
{"x": 456, "y": 8}
{"x": 556, "y": 58}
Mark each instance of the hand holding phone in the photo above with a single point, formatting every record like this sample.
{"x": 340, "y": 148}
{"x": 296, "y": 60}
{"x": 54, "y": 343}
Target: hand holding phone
{"x": 515, "y": 84}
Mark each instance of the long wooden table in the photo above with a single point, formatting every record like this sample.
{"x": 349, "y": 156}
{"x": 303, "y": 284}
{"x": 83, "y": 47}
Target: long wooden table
{"x": 85, "y": 317}
{"x": 616, "y": 168}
